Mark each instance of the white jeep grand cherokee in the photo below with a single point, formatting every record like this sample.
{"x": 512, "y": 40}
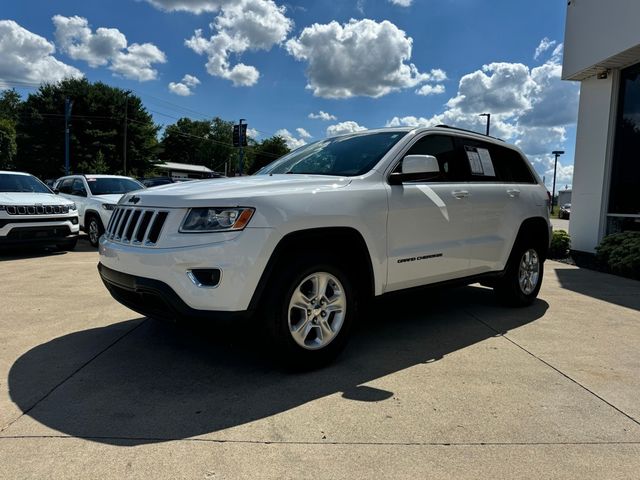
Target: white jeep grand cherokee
{"x": 317, "y": 233}
{"x": 30, "y": 214}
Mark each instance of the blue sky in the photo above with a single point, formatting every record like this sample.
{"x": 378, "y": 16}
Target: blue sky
{"x": 365, "y": 73}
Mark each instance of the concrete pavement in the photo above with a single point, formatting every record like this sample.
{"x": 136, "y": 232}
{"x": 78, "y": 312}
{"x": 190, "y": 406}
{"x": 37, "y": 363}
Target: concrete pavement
{"x": 438, "y": 385}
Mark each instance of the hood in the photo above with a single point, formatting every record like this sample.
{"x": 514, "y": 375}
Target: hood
{"x": 30, "y": 198}
{"x": 235, "y": 191}
{"x": 108, "y": 198}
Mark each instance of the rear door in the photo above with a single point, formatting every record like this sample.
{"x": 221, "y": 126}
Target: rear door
{"x": 498, "y": 184}
{"x": 429, "y": 222}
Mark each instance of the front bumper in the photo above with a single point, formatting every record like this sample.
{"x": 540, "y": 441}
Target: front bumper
{"x": 153, "y": 298}
{"x": 41, "y": 231}
{"x": 241, "y": 258}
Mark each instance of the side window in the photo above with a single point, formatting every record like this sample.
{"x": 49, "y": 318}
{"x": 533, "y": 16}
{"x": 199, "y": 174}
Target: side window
{"x": 77, "y": 188}
{"x": 443, "y": 148}
{"x": 480, "y": 158}
{"x": 511, "y": 166}
{"x": 65, "y": 186}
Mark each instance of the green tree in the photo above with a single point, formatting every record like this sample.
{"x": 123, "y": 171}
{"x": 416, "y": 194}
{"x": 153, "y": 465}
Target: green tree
{"x": 97, "y": 125}
{"x": 10, "y": 103}
{"x": 267, "y": 151}
{"x": 7, "y": 144}
{"x": 199, "y": 142}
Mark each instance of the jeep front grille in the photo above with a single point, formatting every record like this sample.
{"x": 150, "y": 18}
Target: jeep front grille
{"x": 136, "y": 225}
{"x": 36, "y": 209}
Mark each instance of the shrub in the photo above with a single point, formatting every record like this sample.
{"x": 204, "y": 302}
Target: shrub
{"x": 620, "y": 254}
{"x": 560, "y": 244}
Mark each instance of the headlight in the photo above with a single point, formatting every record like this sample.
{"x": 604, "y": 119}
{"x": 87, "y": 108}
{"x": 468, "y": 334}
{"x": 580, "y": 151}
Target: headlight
{"x": 108, "y": 206}
{"x": 216, "y": 219}
{"x": 73, "y": 206}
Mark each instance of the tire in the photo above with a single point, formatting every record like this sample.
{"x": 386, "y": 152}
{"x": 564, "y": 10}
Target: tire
{"x": 520, "y": 284}
{"x": 94, "y": 229}
{"x": 323, "y": 327}
{"x": 67, "y": 246}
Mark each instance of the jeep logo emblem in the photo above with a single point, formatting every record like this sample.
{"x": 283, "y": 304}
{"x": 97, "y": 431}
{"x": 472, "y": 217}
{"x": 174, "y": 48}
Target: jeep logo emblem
{"x": 133, "y": 199}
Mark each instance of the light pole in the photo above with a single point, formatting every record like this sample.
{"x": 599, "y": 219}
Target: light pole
{"x": 488, "y": 115}
{"x": 557, "y": 153}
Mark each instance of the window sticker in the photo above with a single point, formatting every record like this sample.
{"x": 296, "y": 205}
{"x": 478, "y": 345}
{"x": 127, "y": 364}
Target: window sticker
{"x": 474, "y": 161}
{"x": 480, "y": 161}
{"x": 487, "y": 164}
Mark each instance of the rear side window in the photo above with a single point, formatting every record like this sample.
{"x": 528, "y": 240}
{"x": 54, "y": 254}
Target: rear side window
{"x": 494, "y": 163}
{"x": 444, "y": 149}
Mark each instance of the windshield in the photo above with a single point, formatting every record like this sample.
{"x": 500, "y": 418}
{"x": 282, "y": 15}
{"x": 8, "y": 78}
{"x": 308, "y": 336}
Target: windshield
{"x": 342, "y": 156}
{"x": 105, "y": 186}
{"x": 22, "y": 183}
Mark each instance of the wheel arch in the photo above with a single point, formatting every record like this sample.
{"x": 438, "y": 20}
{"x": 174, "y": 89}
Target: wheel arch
{"x": 348, "y": 245}
{"x": 91, "y": 212}
{"x": 535, "y": 227}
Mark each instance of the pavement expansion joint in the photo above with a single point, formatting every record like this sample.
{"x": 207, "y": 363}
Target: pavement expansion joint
{"x": 71, "y": 375}
{"x": 293, "y": 442}
{"x": 567, "y": 376}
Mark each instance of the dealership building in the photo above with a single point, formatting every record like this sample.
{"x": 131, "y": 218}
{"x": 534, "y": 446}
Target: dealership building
{"x": 602, "y": 52}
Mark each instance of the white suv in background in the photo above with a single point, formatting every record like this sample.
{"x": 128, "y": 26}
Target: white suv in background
{"x": 314, "y": 235}
{"x": 30, "y": 214}
{"x": 96, "y": 197}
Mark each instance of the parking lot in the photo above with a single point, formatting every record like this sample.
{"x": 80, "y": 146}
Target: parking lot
{"x": 442, "y": 385}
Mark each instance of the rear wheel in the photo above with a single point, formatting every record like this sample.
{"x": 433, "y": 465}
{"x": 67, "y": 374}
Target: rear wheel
{"x": 309, "y": 312}
{"x": 94, "y": 230}
{"x": 522, "y": 280}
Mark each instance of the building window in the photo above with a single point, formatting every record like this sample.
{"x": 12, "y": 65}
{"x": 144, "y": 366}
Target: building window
{"x": 625, "y": 173}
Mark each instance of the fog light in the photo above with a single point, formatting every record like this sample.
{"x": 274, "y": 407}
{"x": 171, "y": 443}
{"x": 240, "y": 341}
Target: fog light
{"x": 205, "y": 277}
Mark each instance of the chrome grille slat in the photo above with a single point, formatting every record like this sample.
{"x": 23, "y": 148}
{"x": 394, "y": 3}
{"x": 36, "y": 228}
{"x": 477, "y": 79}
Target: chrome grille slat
{"x": 138, "y": 226}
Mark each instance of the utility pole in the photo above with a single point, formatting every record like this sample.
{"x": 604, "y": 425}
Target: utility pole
{"x": 488, "y": 115}
{"x": 124, "y": 137}
{"x": 557, "y": 153}
{"x": 68, "y": 105}
{"x": 241, "y": 151}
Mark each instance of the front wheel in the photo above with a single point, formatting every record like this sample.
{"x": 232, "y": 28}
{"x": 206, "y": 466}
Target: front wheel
{"x": 95, "y": 230}
{"x": 522, "y": 280}
{"x": 309, "y": 313}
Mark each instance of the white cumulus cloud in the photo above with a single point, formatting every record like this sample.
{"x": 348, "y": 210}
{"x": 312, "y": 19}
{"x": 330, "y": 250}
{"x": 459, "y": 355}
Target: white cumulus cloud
{"x": 344, "y": 128}
{"x": 241, "y": 26}
{"x": 430, "y": 90}
{"x": 531, "y": 107}
{"x": 27, "y": 57}
{"x": 544, "y": 45}
{"x": 358, "y": 58}
{"x": 322, "y": 116}
{"x": 402, "y": 3}
{"x": 107, "y": 46}
{"x": 193, "y": 6}
{"x": 290, "y": 139}
{"x": 185, "y": 87}
{"x": 302, "y": 133}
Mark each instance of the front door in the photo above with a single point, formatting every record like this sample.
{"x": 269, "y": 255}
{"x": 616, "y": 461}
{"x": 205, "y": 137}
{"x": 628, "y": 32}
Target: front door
{"x": 429, "y": 223}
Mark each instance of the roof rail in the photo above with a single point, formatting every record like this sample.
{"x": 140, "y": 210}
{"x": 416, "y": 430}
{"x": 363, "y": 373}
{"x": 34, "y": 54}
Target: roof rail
{"x": 468, "y": 131}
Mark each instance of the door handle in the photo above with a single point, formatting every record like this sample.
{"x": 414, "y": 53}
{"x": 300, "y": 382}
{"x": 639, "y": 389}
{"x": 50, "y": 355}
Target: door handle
{"x": 460, "y": 193}
{"x": 513, "y": 192}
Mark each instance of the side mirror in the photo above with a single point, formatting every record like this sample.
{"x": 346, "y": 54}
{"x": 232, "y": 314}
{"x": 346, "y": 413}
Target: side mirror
{"x": 416, "y": 167}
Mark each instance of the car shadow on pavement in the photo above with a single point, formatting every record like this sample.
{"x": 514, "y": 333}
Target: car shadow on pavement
{"x": 165, "y": 382}
{"x": 21, "y": 253}
{"x": 602, "y": 286}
